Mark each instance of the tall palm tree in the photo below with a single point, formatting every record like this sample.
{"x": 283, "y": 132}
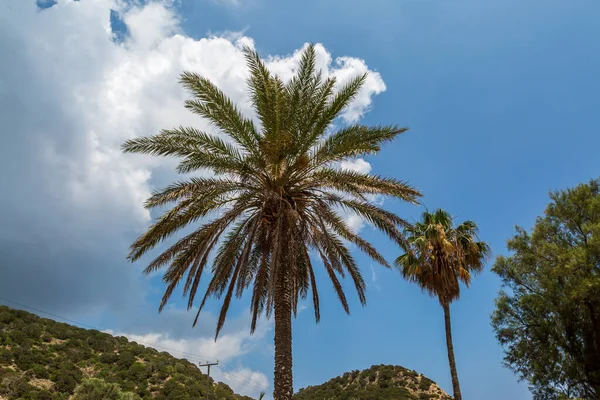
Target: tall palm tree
{"x": 274, "y": 198}
{"x": 438, "y": 257}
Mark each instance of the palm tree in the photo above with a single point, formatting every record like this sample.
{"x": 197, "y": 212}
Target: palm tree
{"x": 438, "y": 257}
{"x": 275, "y": 197}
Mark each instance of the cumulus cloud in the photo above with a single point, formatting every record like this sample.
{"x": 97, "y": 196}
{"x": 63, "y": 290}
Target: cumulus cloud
{"x": 148, "y": 26}
{"x": 354, "y": 221}
{"x": 357, "y": 165}
{"x": 70, "y": 94}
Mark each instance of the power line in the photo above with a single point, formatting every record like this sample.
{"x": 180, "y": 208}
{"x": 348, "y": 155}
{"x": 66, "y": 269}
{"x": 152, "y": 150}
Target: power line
{"x": 198, "y": 358}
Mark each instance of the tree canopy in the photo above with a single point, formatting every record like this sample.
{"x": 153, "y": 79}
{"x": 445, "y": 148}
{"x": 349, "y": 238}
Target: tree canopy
{"x": 548, "y": 313}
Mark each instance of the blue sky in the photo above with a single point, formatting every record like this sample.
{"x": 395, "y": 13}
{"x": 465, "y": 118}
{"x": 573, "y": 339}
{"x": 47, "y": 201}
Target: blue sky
{"x": 501, "y": 98}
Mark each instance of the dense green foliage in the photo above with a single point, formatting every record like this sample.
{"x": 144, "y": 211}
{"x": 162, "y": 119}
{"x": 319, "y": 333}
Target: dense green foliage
{"x": 548, "y": 316}
{"x": 379, "y": 382}
{"x": 94, "y": 389}
{"x": 41, "y": 359}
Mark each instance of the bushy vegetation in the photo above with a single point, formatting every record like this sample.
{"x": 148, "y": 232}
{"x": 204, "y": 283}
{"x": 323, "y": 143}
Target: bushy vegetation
{"x": 379, "y": 382}
{"x": 41, "y": 359}
{"x": 548, "y": 313}
{"x": 94, "y": 389}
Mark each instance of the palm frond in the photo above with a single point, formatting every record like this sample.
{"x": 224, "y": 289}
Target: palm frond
{"x": 298, "y": 88}
{"x": 341, "y": 228}
{"x": 194, "y": 187}
{"x": 383, "y": 220}
{"x": 211, "y": 103}
{"x": 356, "y": 182}
{"x": 262, "y": 90}
{"x": 340, "y": 100}
{"x": 353, "y": 141}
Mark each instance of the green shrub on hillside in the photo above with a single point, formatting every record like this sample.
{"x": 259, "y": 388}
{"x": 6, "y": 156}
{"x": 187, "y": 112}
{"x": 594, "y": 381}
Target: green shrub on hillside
{"x": 380, "y": 382}
{"x": 64, "y": 357}
{"x": 92, "y": 389}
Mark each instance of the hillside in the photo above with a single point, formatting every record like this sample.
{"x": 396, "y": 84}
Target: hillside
{"x": 379, "y": 382}
{"x": 41, "y": 359}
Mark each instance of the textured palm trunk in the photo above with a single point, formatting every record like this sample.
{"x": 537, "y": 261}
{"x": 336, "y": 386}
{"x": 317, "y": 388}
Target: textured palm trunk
{"x": 283, "y": 384}
{"x": 451, "y": 359}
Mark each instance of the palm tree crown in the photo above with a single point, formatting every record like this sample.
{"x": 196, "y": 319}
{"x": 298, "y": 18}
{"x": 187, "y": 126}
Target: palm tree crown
{"x": 439, "y": 256}
{"x": 275, "y": 196}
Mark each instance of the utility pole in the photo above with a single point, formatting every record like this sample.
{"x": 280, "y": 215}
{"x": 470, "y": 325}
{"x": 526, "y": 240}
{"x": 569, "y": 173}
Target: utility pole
{"x": 208, "y": 365}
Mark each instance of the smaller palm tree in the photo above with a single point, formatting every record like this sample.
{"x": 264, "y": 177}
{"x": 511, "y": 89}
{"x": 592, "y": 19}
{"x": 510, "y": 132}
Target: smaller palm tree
{"x": 437, "y": 258}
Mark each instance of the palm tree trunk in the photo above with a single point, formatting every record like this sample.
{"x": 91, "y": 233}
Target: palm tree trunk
{"x": 283, "y": 385}
{"x": 451, "y": 359}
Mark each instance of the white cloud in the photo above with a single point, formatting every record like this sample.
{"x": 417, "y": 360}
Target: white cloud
{"x": 357, "y": 165}
{"x": 345, "y": 69}
{"x": 150, "y": 25}
{"x": 374, "y": 278}
{"x": 355, "y": 222}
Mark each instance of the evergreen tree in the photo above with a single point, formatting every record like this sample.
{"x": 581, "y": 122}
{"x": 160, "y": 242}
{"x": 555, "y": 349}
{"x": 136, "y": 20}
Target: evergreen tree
{"x": 548, "y": 315}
